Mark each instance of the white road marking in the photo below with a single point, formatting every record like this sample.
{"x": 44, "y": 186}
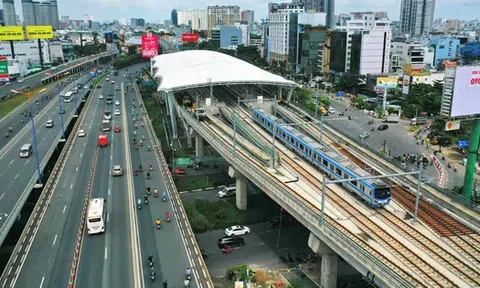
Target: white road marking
{"x": 110, "y": 158}
{"x": 108, "y": 217}
{"x": 76, "y": 169}
{"x": 16, "y": 176}
{"x": 41, "y": 283}
{"x": 27, "y": 161}
{"x": 106, "y": 252}
{"x": 81, "y": 155}
{"x": 71, "y": 186}
{"x": 64, "y": 208}
{"x": 54, "y": 240}
{"x": 11, "y": 162}
{"x": 108, "y": 191}
{"x": 2, "y": 195}
{"x": 43, "y": 139}
{"x": 84, "y": 144}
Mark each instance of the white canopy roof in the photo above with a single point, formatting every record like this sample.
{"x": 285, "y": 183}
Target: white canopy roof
{"x": 196, "y": 68}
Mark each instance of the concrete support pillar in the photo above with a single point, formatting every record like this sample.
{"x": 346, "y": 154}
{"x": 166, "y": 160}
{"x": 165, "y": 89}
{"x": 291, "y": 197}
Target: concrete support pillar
{"x": 199, "y": 146}
{"x": 173, "y": 115}
{"x": 241, "y": 190}
{"x": 280, "y": 93}
{"x": 290, "y": 93}
{"x": 328, "y": 274}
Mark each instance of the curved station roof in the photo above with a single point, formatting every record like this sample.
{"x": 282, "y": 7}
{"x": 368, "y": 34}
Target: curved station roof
{"x": 197, "y": 68}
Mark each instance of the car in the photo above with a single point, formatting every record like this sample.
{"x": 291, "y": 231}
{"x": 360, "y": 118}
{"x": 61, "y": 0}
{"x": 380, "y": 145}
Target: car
{"x": 99, "y": 86}
{"x": 49, "y": 123}
{"x": 117, "y": 103}
{"x": 81, "y": 133}
{"x": 383, "y": 127}
{"x": 101, "y": 96}
{"x": 117, "y": 129}
{"x": 113, "y": 82}
{"x": 117, "y": 170}
{"x": 117, "y": 112}
{"x": 117, "y": 88}
{"x": 237, "y": 230}
{"x": 230, "y": 241}
{"x": 227, "y": 192}
{"x": 85, "y": 87}
{"x": 108, "y": 79}
{"x": 364, "y": 135}
{"x": 20, "y": 80}
{"x": 107, "y": 115}
{"x": 331, "y": 110}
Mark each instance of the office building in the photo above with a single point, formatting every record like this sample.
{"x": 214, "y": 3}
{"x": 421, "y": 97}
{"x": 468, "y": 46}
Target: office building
{"x": 247, "y": 16}
{"x": 416, "y": 17}
{"x": 65, "y": 19}
{"x": 402, "y": 53}
{"x": 26, "y": 50}
{"x": 230, "y": 36}
{"x": 174, "y": 17}
{"x": 325, "y": 6}
{"x": 167, "y": 23}
{"x": 9, "y": 16}
{"x": 282, "y": 31}
{"x": 309, "y": 54}
{"x": 197, "y": 19}
{"x": 54, "y": 13}
{"x": 222, "y": 15}
{"x": 245, "y": 33}
{"x": 444, "y": 48}
{"x": 368, "y": 47}
{"x": 28, "y": 12}
{"x": 338, "y": 52}
{"x": 137, "y": 22}
{"x": 2, "y": 21}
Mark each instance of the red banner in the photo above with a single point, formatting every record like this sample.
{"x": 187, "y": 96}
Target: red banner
{"x": 190, "y": 37}
{"x": 149, "y": 45}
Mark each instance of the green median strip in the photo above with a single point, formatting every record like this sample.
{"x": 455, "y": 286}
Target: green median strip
{"x": 8, "y": 105}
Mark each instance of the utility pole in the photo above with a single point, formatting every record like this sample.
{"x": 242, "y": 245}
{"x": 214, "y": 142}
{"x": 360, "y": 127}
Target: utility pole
{"x": 471, "y": 159}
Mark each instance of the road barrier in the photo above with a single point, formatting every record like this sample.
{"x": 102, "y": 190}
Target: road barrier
{"x": 440, "y": 169}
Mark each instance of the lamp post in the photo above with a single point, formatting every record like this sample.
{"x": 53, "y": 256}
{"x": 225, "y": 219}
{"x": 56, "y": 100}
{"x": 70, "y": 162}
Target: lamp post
{"x": 61, "y": 111}
{"x": 30, "y": 94}
{"x": 173, "y": 158}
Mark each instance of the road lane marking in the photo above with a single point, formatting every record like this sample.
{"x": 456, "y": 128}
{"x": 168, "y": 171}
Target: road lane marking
{"x": 108, "y": 217}
{"x": 11, "y": 162}
{"x": 84, "y": 144}
{"x": 16, "y": 176}
{"x": 43, "y": 139}
{"x": 41, "y": 283}
{"x": 27, "y": 161}
{"x": 108, "y": 191}
{"x": 106, "y": 252}
{"x": 81, "y": 155}
{"x": 2, "y": 195}
{"x": 76, "y": 169}
{"x": 110, "y": 158}
{"x": 64, "y": 208}
{"x": 54, "y": 240}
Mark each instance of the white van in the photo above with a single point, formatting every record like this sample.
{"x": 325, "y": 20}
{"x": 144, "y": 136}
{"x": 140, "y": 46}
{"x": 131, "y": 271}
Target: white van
{"x": 227, "y": 192}
{"x": 26, "y": 150}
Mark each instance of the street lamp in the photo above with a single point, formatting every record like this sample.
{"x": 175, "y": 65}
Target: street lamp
{"x": 61, "y": 111}
{"x": 173, "y": 158}
{"x": 32, "y": 116}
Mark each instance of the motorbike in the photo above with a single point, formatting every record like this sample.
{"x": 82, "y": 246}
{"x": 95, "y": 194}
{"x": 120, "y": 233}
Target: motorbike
{"x": 150, "y": 168}
{"x": 152, "y": 276}
{"x": 149, "y": 148}
{"x": 164, "y": 198}
{"x": 136, "y": 146}
{"x": 150, "y": 263}
{"x": 148, "y": 191}
{"x": 373, "y": 129}
{"x": 155, "y": 193}
{"x": 227, "y": 249}
{"x": 139, "y": 206}
{"x": 135, "y": 171}
{"x": 148, "y": 176}
{"x": 186, "y": 283}
{"x": 167, "y": 218}
{"x": 158, "y": 226}
{"x": 6, "y": 135}
{"x": 141, "y": 143}
{"x": 140, "y": 168}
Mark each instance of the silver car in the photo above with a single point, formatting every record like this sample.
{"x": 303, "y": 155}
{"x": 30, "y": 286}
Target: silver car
{"x": 117, "y": 170}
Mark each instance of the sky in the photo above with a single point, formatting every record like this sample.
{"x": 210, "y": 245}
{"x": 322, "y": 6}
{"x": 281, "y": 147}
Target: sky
{"x": 159, "y": 10}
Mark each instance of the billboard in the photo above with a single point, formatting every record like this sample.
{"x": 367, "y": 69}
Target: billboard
{"x": 416, "y": 69}
{"x": 39, "y": 32}
{"x": 108, "y": 37}
{"x": 387, "y": 82}
{"x": 452, "y": 125}
{"x": 3, "y": 69}
{"x": 190, "y": 38}
{"x": 11, "y": 33}
{"x": 149, "y": 45}
{"x": 466, "y": 92}
{"x": 406, "y": 84}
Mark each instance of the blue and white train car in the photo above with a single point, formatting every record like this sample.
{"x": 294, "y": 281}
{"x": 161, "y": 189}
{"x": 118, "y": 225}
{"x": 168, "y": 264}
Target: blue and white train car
{"x": 374, "y": 191}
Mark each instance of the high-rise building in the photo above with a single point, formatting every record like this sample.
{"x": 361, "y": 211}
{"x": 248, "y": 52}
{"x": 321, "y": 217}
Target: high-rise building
{"x": 9, "y": 16}
{"x": 65, "y": 19}
{"x": 137, "y": 22}
{"x": 230, "y": 36}
{"x": 444, "y": 48}
{"x": 222, "y": 15}
{"x": 325, "y": 6}
{"x": 416, "y": 17}
{"x": 174, "y": 17}
{"x": 402, "y": 53}
{"x": 197, "y": 19}
{"x": 28, "y": 12}
{"x": 54, "y": 13}
{"x": 245, "y": 33}
{"x": 247, "y": 16}
{"x": 2, "y": 21}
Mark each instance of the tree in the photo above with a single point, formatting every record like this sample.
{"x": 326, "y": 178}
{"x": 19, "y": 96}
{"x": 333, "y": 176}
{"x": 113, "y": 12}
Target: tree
{"x": 423, "y": 98}
{"x": 208, "y": 45}
{"x": 349, "y": 82}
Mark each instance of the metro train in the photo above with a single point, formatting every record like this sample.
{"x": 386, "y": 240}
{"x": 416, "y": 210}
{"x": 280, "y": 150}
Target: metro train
{"x": 374, "y": 191}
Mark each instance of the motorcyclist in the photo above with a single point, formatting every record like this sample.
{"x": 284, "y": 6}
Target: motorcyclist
{"x": 6, "y": 135}
{"x": 148, "y": 189}
{"x": 139, "y": 202}
{"x": 150, "y": 258}
{"x": 148, "y": 175}
{"x": 135, "y": 171}
{"x": 140, "y": 167}
{"x": 150, "y": 167}
{"x": 10, "y": 129}
{"x": 164, "y": 195}
{"x": 189, "y": 272}
{"x": 167, "y": 215}
{"x": 158, "y": 221}
{"x": 145, "y": 197}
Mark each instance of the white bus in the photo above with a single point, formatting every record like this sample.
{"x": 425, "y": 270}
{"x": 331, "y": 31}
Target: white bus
{"x": 67, "y": 97}
{"x": 96, "y": 216}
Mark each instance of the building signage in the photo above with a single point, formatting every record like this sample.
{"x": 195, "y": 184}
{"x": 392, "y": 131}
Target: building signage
{"x": 466, "y": 92}
{"x": 190, "y": 38}
{"x": 452, "y": 125}
{"x": 416, "y": 69}
{"x": 3, "y": 69}
{"x": 149, "y": 45}
{"x": 475, "y": 78}
{"x": 387, "y": 82}
{"x": 406, "y": 84}
{"x": 39, "y": 32}
{"x": 8, "y": 33}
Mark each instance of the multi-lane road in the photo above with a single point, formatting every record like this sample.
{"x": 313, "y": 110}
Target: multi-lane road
{"x": 18, "y": 175}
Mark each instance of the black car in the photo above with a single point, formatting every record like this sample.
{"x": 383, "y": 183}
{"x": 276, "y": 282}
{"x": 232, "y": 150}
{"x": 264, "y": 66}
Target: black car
{"x": 383, "y": 127}
{"x": 230, "y": 241}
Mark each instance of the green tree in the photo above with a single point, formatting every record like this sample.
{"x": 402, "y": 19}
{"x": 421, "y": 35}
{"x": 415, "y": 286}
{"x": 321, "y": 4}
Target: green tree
{"x": 349, "y": 82}
{"x": 423, "y": 98}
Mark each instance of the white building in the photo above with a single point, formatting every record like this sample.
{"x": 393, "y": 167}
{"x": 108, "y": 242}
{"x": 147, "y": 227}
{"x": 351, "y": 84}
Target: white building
{"x": 245, "y": 33}
{"x": 405, "y": 53}
{"x": 197, "y": 19}
{"x": 376, "y": 34}
{"x": 279, "y": 29}
{"x": 56, "y": 51}
{"x": 26, "y": 50}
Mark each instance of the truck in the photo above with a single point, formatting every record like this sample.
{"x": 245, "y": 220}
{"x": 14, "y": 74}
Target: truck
{"x": 418, "y": 121}
{"x": 187, "y": 102}
{"x": 106, "y": 125}
{"x": 392, "y": 118}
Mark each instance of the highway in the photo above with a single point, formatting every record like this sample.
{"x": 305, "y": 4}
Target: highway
{"x": 16, "y": 173}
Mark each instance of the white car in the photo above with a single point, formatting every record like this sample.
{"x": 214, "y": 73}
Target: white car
{"x": 113, "y": 82}
{"x": 20, "y": 80}
{"x": 108, "y": 79}
{"x": 107, "y": 115}
{"x": 101, "y": 96}
{"x": 117, "y": 103}
{"x": 49, "y": 123}
{"x": 117, "y": 112}
{"x": 331, "y": 110}
{"x": 81, "y": 133}
{"x": 237, "y": 230}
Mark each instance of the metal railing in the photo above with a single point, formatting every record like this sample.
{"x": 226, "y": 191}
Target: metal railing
{"x": 330, "y": 232}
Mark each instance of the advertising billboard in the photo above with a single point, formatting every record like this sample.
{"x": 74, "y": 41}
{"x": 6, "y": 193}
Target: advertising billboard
{"x": 8, "y": 33}
{"x": 108, "y": 37}
{"x": 466, "y": 92}
{"x": 190, "y": 38}
{"x": 416, "y": 69}
{"x": 3, "y": 69}
{"x": 387, "y": 82}
{"x": 39, "y": 32}
{"x": 149, "y": 45}
{"x": 406, "y": 84}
